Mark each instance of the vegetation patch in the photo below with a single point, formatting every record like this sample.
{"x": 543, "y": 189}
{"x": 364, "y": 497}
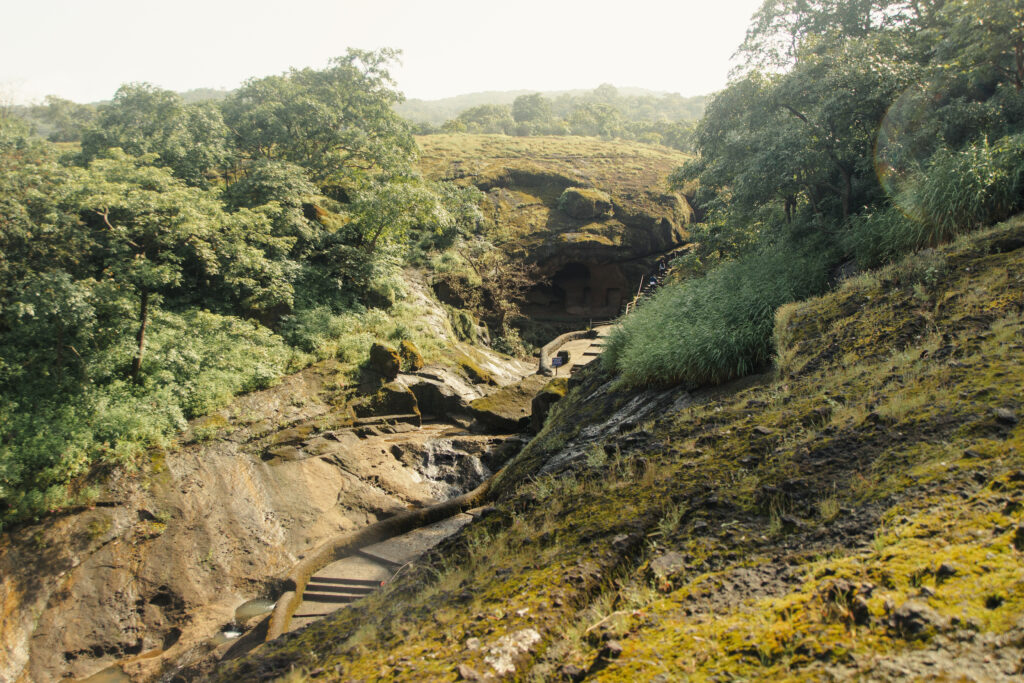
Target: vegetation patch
{"x": 824, "y": 523}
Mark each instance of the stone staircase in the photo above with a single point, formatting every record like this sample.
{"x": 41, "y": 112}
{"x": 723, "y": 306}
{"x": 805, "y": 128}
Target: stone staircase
{"x": 368, "y": 569}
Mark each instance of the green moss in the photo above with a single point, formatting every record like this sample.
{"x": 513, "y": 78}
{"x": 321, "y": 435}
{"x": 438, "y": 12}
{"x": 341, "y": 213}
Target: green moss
{"x": 475, "y": 373}
{"x": 887, "y": 417}
{"x": 412, "y": 359}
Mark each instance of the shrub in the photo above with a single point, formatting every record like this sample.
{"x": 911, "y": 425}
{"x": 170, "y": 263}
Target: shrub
{"x": 712, "y": 329}
{"x": 959, "y": 192}
{"x": 967, "y": 189}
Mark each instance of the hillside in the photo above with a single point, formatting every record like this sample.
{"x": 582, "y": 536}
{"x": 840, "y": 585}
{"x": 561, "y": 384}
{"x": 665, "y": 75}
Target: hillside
{"x": 855, "y": 513}
{"x": 594, "y": 246}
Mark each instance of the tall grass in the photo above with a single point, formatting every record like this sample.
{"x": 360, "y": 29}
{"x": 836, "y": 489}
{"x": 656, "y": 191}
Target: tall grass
{"x": 967, "y": 189}
{"x": 713, "y": 329}
{"x": 958, "y": 192}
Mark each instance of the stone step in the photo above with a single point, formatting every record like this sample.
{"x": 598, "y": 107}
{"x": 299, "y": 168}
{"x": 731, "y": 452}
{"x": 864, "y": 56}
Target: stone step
{"x": 317, "y": 587}
{"x": 346, "y": 582}
{"x": 330, "y": 597}
{"x": 385, "y": 419}
{"x": 378, "y": 559}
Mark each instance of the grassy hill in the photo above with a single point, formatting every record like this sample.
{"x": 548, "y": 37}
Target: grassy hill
{"x": 525, "y": 177}
{"x": 855, "y": 513}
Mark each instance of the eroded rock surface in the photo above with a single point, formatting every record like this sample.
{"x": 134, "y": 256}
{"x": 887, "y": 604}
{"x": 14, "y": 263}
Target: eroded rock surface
{"x": 148, "y": 577}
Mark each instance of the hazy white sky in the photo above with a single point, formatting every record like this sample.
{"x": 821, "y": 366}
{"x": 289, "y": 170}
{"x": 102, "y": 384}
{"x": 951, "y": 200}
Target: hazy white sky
{"x": 84, "y": 49}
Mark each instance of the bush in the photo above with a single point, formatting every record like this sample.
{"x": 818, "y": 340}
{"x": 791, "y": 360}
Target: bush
{"x": 715, "y": 328}
{"x": 967, "y": 189}
{"x": 958, "y": 193}
{"x": 883, "y": 237}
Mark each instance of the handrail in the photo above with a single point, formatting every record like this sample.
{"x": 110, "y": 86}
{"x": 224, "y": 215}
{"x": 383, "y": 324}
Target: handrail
{"x": 342, "y": 545}
{"x": 546, "y": 351}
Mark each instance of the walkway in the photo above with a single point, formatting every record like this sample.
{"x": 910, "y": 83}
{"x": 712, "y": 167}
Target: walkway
{"x": 369, "y": 568}
{"x": 583, "y": 351}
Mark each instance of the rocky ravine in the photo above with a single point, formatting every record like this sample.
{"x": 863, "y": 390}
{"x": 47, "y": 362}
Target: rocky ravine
{"x": 147, "y": 576}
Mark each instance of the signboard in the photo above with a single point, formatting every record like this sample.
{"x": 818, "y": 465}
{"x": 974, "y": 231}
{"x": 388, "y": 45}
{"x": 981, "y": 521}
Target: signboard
{"x": 557, "y": 362}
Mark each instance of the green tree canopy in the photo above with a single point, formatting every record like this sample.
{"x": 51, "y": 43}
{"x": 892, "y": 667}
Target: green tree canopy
{"x": 337, "y": 123}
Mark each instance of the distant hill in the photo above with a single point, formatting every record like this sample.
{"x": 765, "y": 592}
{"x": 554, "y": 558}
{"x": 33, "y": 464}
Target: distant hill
{"x": 436, "y": 112}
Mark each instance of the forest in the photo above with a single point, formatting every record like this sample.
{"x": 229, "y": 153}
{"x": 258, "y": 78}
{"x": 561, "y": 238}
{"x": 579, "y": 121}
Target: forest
{"x": 603, "y": 112}
{"x": 182, "y": 253}
{"x": 855, "y": 132}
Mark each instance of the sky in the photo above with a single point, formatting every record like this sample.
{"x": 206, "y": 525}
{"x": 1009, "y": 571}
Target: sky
{"x": 84, "y": 49}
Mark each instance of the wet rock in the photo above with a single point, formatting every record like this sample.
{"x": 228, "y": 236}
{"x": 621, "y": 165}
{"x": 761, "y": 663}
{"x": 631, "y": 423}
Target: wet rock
{"x": 915, "y": 620}
{"x": 946, "y": 570}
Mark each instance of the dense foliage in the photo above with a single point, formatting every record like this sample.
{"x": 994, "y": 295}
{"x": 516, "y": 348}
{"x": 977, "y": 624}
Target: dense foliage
{"x": 666, "y": 120}
{"x": 868, "y": 129}
{"x": 193, "y": 251}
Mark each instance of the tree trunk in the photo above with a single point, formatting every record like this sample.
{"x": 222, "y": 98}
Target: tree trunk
{"x": 143, "y": 319}
{"x": 60, "y": 356}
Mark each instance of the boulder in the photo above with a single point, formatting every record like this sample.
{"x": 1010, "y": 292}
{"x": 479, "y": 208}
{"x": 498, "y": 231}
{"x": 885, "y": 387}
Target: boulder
{"x": 412, "y": 359}
{"x": 542, "y": 402}
{"x": 393, "y": 398}
{"x": 508, "y": 409}
{"x": 441, "y": 391}
{"x": 585, "y": 203}
{"x": 385, "y": 361}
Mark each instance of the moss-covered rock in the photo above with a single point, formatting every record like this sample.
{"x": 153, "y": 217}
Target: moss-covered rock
{"x": 385, "y": 361}
{"x": 412, "y": 359}
{"x": 476, "y": 374}
{"x": 392, "y": 399}
{"x": 509, "y": 408}
{"x": 585, "y": 203}
{"x": 552, "y": 392}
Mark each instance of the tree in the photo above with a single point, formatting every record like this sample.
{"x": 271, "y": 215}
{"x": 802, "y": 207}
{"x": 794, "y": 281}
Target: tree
{"x": 337, "y": 123}
{"x": 160, "y": 237}
{"x": 67, "y": 119}
{"x": 600, "y": 120}
{"x": 488, "y": 118}
{"x": 143, "y": 119}
{"x": 533, "y": 108}
{"x": 985, "y": 36}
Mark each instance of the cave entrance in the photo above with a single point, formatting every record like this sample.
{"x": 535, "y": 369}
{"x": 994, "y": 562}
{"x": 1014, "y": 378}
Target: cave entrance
{"x": 580, "y": 289}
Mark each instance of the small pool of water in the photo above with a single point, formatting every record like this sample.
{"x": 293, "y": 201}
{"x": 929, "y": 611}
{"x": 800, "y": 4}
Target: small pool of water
{"x": 253, "y": 608}
{"x": 225, "y": 636}
{"x": 112, "y": 674}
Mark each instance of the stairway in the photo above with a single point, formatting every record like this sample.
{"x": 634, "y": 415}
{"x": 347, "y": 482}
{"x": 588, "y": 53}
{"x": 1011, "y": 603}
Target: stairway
{"x": 367, "y": 569}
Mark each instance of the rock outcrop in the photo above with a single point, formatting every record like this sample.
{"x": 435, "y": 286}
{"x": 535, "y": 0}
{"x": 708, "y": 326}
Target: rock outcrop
{"x": 155, "y": 570}
{"x": 594, "y": 216}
